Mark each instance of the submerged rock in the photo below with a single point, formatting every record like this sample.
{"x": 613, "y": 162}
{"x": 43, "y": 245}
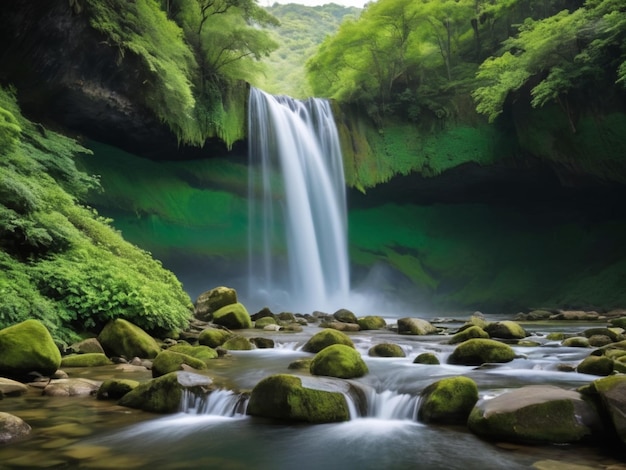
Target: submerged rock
{"x": 27, "y": 347}
{"x": 386, "y": 350}
{"x": 122, "y": 338}
{"x": 415, "y": 326}
{"x": 536, "y": 414}
{"x": 12, "y": 428}
{"x": 448, "y": 401}
{"x": 339, "y": 360}
{"x": 285, "y": 397}
{"x": 233, "y": 316}
{"x": 475, "y": 352}
{"x": 325, "y": 338}
{"x": 212, "y": 300}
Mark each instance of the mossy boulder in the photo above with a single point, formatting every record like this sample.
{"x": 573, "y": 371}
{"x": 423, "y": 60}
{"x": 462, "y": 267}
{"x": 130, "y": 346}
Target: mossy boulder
{"x": 85, "y": 360}
{"x": 122, "y": 338}
{"x": 468, "y": 333}
{"x": 27, "y": 347}
{"x": 264, "y": 321}
{"x": 204, "y": 353}
{"x": 426, "y": 358}
{"x": 212, "y": 300}
{"x": 386, "y": 350}
{"x": 596, "y": 365}
{"x": 285, "y": 397}
{"x": 114, "y": 389}
{"x": 12, "y": 428}
{"x": 371, "y": 322}
{"x": 89, "y": 345}
{"x": 300, "y": 364}
{"x": 612, "y": 393}
{"x": 475, "y": 352}
{"x": 610, "y": 332}
{"x": 238, "y": 343}
{"x": 339, "y": 360}
{"x": 448, "y": 401}
{"x": 415, "y": 326}
{"x": 506, "y": 330}
{"x": 234, "y": 317}
{"x": 619, "y": 322}
{"x": 213, "y": 337}
{"x": 345, "y": 316}
{"x": 575, "y": 342}
{"x": 163, "y": 394}
{"x": 168, "y": 361}
{"x": 536, "y": 414}
{"x": 325, "y": 338}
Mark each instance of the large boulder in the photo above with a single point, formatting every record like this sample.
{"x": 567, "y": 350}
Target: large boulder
{"x": 12, "y": 428}
{"x": 536, "y": 414}
{"x": 371, "y": 322}
{"x": 339, "y": 360}
{"x": 213, "y": 337}
{"x": 448, "y": 401}
{"x": 345, "y": 316}
{"x": 168, "y": 361}
{"x": 234, "y": 316}
{"x": 596, "y": 365}
{"x": 468, "y": 333}
{"x": 325, "y": 338}
{"x": 27, "y": 347}
{"x": 475, "y": 352}
{"x": 286, "y": 397}
{"x": 122, "y": 338}
{"x": 212, "y": 300}
{"x": 415, "y": 326}
{"x": 612, "y": 393}
{"x": 164, "y": 394}
{"x": 506, "y": 330}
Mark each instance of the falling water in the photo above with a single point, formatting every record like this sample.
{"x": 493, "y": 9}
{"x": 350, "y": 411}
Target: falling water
{"x": 298, "y": 241}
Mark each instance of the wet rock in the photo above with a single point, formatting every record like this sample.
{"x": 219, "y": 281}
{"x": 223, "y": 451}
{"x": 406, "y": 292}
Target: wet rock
{"x": 386, "y": 350}
{"x": 619, "y": 322}
{"x": 300, "y": 364}
{"x": 89, "y": 345}
{"x": 426, "y": 358}
{"x": 238, "y": 343}
{"x": 448, "y": 401}
{"x": 371, "y": 322}
{"x": 537, "y": 414}
{"x": 122, "y": 338}
{"x": 345, "y": 316}
{"x": 212, "y": 300}
{"x": 263, "y": 322}
{"x": 468, "y": 333}
{"x": 599, "y": 340}
{"x": 71, "y": 387}
{"x": 27, "y": 347}
{"x": 477, "y": 319}
{"x": 11, "y": 388}
{"x": 325, "y": 338}
{"x": 234, "y": 317}
{"x": 596, "y": 365}
{"x": 341, "y": 326}
{"x": 576, "y": 342}
{"x": 287, "y": 317}
{"x": 204, "y": 353}
{"x": 475, "y": 352}
{"x": 12, "y": 428}
{"x": 85, "y": 360}
{"x": 272, "y": 328}
{"x": 339, "y": 360}
{"x": 168, "y": 361}
{"x": 288, "y": 397}
{"x": 213, "y": 337}
{"x": 263, "y": 313}
{"x": 575, "y": 315}
{"x": 609, "y": 332}
{"x": 114, "y": 389}
{"x": 262, "y": 343}
{"x": 415, "y": 326}
{"x": 506, "y": 330}
{"x": 293, "y": 327}
{"x": 612, "y": 393}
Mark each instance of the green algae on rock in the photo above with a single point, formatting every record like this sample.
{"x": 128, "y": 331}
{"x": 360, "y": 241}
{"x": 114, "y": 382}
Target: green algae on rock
{"x": 426, "y": 358}
{"x": 85, "y": 360}
{"x": 122, "y": 338}
{"x": 168, "y": 361}
{"x": 386, "y": 350}
{"x": 448, "y": 401}
{"x": 325, "y": 338}
{"x": 475, "y": 352}
{"x": 27, "y": 347}
{"x": 233, "y": 316}
{"x": 213, "y": 337}
{"x": 468, "y": 333}
{"x": 212, "y": 300}
{"x": 339, "y": 360}
{"x": 371, "y": 322}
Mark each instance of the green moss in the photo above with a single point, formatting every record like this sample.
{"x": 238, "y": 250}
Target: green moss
{"x": 204, "y": 353}
{"x": 114, "y": 389}
{"x": 168, "y": 361}
{"x": 596, "y": 365}
{"x": 475, "y": 352}
{"x": 372, "y": 322}
{"x": 325, "y": 338}
{"x": 122, "y": 338}
{"x": 339, "y": 360}
{"x": 386, "y": 350}
{"x": 468, "y": 333}
{"x": 426, "y": 358}
{"x": 234, "y": 316}
{"x": 448, "y": 400}
{"x": 27, "y": 347}
{"x": 85, "y": 360}
{"x": 238, "y": 343}
{"x": 213, "y": 337}
{"x": 161, "y": 395}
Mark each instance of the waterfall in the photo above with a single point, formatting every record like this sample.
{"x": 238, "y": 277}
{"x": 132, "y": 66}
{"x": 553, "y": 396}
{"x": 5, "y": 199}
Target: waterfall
{"x": 298, "y": 251}
{"x": 218, "y": 403}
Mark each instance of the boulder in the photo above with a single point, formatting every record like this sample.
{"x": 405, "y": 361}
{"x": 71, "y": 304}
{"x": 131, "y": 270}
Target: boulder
{"x": 426, "y": 358}
{"x": 506, "y": 330}
{"x": 300, "y": 364}
{"x": 85, "y": 360}
{"x": 285, "y": 397}
{"x": 263, "y": 322}
{"x": 212, "y": 300}
{"x": 77, "y": 387}
{"x": 339, "y": 360}
{"x": 204, "y": 353}
{"x": 325, "y": 338}
{"x": 27, "y": 347}
{"x": 213, "y": 337}
{"x": 536, "y": 414}
{"x": 612, "y": 393}
{"x": 386, "y": 350}
{"x": 262, "y": 343}
{"x": 89, "y": 345}
{"x": 596, "y": 365}
{"x": 114, "y": 389}
{"x": 234, "y": 317}
{"x": 610, "y": 332}
{"x": 475, "y": 352}
{"x": 238, "y": 343}
{"x": 11, "y": 388}
{"x": 448, "y": 401}
{"x": 371, "y": 322}
{"x": 468, "y": 333}
{"x": 168, "y": 361}
{"x": 163, "y": 394}
{"x": 619, "y": 322}
{"x": 12, "y": 428}
{"x": 477, "y": 319}
{"x": 415, "y": 326}
{"x": 122, "y": 338}
{"x": 345, "y": 316}
{"x": 575, "y": 342}
{"x": 341, "y": 326}
{"x": 598, "y": 341}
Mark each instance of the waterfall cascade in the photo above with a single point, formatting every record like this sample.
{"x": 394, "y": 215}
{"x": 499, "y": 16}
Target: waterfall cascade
{"x": 298, "y": 228}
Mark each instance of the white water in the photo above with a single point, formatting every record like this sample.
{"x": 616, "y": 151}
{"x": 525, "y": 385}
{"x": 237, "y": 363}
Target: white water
{"x": 298, "y": 223}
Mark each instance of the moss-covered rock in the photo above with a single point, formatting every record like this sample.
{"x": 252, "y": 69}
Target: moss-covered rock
{"x": 596, "y": 365}
{"x": 163, "y": 394}
{"x": 114, "y": 389}
{"x": 27, "y": 347}
{"x": 89, "y": 345}
{"x": 325, "y": 338}
{"x": 475, "y": 352}
{"x": 468, "y": 333}
{"x": 212, "y": 300}
{"x": 234, "y": 317}
{"x": 263, "y": 322}
{"x": 122, "y": 338}
{"x": 12, "y": 428}
{"x": 345, "y": 316}
{"x": 415, "y": 326}
{"x": 204, "y": 353}
{"x": 537, "y": 414}
{"x": 168, "y": 361}
{"x": 575, "y": 342}
{"x": 619, "y": 322}
{"x": 341, "y": 326}
{"x": 448, "y": 401}
{"x": 85, "y": 360}
{"x": 213, "y": 337}
{"x": 612, "y": 393}
{"x": 262, "y": 343}
{"x": 426, "y": 358}
{"x": 300, "y": 364}
{"x": 506, "y": 330}
{"x": 238, "y": 343}
{"x": 339, "y": 360}
{"x": 284, "y": 397}
{"x": 371, "y": 322}
{"x": 610, "y": 332}
{"x": 386, "y": 350}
